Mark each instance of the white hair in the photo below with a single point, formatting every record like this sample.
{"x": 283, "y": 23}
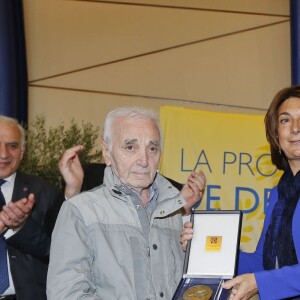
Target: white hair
{"x": 19, "y": 126}
{"x": 132, "y": 112}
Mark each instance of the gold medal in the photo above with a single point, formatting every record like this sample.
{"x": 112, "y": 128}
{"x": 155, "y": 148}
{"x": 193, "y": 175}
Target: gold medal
{"x": 197, "y": 292}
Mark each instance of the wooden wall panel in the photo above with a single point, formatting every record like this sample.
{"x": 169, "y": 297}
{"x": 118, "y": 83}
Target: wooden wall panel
{"x": 215, "y": 55}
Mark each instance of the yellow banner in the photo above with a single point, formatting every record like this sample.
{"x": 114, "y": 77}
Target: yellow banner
{"x": 232, "y": 151}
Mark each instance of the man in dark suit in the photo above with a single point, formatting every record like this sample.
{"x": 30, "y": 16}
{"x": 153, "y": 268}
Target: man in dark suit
{"x": 22, "y": 219}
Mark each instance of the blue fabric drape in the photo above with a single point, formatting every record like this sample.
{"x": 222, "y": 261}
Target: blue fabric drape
{"x": 295, "y": 40}
{"x": 13, "y": 69}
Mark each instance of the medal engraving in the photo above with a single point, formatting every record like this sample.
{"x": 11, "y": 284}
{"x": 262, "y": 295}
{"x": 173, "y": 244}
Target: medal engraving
{"x": 197, "y": 292}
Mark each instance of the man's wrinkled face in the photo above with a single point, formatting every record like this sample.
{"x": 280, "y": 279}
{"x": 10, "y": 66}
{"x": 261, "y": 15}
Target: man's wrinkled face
{"x": 135, "y": 152}
{"x": 11, "y": 152}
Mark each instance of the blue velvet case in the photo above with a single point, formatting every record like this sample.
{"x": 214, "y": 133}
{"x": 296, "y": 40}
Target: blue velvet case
{"x": 211, "y": 256}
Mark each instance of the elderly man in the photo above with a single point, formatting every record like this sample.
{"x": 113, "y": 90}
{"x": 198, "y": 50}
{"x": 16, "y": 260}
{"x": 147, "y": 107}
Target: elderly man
{"x": 24, "y": 200}
{"x": 121, "y": 240}
{"x": 78, "y": 178}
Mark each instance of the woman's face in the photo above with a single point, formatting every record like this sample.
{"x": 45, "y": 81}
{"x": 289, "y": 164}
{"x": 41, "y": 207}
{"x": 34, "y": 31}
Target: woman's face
{"x": 289, "y": 131}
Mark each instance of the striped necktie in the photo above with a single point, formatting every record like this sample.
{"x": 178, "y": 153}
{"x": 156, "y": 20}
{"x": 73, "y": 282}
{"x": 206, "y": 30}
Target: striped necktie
{"x": 4, "y": 283}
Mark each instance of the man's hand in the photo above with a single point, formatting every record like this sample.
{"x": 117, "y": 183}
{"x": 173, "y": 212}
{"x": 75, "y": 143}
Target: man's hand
{"x": 186, "y": 235}
{"x": 71, "y": 170}
{"x": 193, "y": 190}
{"x": 14, "y": 214}
{"x": 243, "y": 287}
{"x": 3, "y": 227}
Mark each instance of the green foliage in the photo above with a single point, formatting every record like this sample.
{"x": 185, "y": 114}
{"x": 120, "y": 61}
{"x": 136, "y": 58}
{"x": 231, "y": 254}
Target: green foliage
{"x": 45, "y": 147}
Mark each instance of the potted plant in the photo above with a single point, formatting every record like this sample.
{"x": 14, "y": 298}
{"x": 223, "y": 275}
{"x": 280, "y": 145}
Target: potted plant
{"x": 45, "y": 147}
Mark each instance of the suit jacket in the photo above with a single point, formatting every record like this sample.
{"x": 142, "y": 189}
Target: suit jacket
{"x": 29, "y": 248}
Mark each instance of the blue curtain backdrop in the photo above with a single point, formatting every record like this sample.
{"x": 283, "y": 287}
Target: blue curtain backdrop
{"x": 295, "y": 40}
{"x": 13, "y": 70}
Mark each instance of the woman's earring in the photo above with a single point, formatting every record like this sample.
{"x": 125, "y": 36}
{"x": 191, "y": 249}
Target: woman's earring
{"x": 279, "y": 150}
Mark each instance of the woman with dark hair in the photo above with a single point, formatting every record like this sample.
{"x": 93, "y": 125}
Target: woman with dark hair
{"x": 273, "y": 270}
{"x": 279, "y": 159}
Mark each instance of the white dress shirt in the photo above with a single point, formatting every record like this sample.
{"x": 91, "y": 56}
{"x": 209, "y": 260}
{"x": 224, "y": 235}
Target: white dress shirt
{"x": 7, "y": 191}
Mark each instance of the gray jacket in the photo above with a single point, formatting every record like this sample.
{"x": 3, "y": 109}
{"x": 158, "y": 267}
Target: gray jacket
{"x": 98, "y": 249}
